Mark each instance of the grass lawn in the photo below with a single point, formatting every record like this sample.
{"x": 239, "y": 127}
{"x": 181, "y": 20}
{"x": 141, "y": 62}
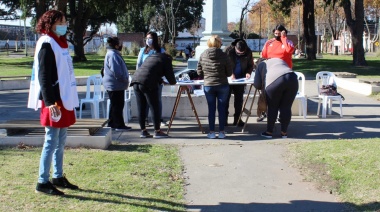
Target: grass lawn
{"x": 347, "y": 168}
{"x": 122, "y": 178}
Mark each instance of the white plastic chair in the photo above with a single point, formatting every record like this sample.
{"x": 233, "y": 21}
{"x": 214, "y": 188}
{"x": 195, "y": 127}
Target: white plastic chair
{"x": 301, "y": 97}
{"x": 127, "y": 112}
{"x": 326, "y": 78}
{"x": 94, "y": 96}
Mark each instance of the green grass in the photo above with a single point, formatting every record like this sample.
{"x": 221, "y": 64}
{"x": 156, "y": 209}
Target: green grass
{"x": 122, "y": 178}
{"x": 348, "y": 168}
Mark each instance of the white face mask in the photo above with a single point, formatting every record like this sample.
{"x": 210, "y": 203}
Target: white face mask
{"x": 149, "y": 42}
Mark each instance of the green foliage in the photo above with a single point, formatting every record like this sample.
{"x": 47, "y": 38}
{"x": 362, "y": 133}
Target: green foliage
{"x": 171, "y": 50}
{"x": 124, "y": 51}
{"x": 135, "y": 49}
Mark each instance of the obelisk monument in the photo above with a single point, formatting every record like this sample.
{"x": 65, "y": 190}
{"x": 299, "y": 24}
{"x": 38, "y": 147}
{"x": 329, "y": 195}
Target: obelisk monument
{"x": 215, "y": 13}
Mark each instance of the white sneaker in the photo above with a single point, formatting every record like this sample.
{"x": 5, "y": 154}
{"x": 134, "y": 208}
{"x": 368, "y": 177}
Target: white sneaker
{"x": 211, "y": 135}
{"x": 222, "y": 135}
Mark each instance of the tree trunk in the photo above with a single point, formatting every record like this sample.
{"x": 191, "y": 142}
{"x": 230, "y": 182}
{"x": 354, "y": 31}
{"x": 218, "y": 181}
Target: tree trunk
{"x": 356, "y": 28}
{"x": 40, "y": 9}
{"x": 309, "y": 29}
{"x": 79, "y": 18}
{"x": 61, "y": 5}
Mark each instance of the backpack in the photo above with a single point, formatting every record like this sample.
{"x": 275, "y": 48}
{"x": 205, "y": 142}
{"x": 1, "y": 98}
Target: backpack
{"x": 330, "y": 90}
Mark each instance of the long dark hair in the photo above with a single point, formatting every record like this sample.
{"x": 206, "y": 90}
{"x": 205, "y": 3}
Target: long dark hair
{"x": 156, "y": 45}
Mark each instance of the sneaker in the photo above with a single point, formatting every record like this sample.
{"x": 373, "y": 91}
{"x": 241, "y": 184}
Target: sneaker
{"x": 222, "y": 135}
{"x": 48, "y": 188}
{"x": 145, "y": 134}
{"x": 211, "y": 135}
{"x": 160, "y": 134}
{"x": 124, "y": 128}
{"x": 266, "y": 135}
{"x": 284, "y": 135}
{"x": 62, "y": 182}
{"x": 164, "y": 123}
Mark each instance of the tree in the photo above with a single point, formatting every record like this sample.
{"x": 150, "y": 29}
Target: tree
{"x": 244, "y": 10}
{"x": 356, "y": 27}
{"x": 308, "y": 21}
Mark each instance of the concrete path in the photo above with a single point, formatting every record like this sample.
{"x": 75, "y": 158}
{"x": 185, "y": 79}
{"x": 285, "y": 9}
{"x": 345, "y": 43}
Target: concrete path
{"x": 245, "y": 172}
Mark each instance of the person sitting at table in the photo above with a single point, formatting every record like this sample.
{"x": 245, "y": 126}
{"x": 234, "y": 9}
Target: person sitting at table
{"x": 242, "y": 65}
{"x": 215, "y": 66}
{"x": 146, "y": 81}
{"x": 281, "y": 87}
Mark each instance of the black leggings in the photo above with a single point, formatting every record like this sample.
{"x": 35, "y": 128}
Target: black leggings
{"x": 116, "y": 119}
{"x": 145, "y": 98}
{"x": 280, "y": 96}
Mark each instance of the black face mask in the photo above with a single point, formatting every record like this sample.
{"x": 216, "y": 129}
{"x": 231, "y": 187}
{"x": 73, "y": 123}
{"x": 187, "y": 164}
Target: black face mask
{"x": 278, "y": 37}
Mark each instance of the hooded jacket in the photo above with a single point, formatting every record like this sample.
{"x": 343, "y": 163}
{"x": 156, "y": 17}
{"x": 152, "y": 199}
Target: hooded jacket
{"x": 215, "y": 66}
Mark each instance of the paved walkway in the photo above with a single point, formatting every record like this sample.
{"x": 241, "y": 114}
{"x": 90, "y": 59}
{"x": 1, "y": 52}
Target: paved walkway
{"x": 245, "y": 172}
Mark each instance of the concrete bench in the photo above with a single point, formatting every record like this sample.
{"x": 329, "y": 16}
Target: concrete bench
{"x": 85, "y": 132}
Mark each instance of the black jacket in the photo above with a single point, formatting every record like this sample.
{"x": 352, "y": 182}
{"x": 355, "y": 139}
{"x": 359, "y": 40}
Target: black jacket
{"x": 153, "y": 69}
{"x": 48, "y": 75}
{"x": 246, "y": 60}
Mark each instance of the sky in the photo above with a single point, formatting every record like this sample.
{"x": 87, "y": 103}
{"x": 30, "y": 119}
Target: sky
{"x": 233, "y": 13}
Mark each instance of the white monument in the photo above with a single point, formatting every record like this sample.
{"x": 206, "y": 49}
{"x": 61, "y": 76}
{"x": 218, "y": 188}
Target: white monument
{"x": 215, "y": 12}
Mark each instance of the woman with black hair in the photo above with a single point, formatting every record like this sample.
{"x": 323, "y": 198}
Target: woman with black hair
{"x": 152, "y": 47}
{"x": 115, "y": 81}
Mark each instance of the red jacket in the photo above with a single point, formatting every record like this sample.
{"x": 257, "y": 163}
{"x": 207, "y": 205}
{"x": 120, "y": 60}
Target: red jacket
{"x": 279, "y": 49}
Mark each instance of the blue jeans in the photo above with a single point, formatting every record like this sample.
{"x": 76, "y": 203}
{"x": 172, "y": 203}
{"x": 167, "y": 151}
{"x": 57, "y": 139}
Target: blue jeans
{"x": 213, "y": 94}
{"x": 54, "y": 145}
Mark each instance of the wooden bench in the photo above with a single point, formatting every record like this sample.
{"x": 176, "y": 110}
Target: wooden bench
{"x": 34, "y": 128}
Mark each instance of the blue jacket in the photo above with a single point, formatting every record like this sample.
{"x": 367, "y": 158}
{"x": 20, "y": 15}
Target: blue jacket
{"x": 115, "y": 71}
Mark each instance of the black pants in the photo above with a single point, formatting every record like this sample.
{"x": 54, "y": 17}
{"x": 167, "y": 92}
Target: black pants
{"x": 147, "y": 98}
{"x": 280, "y": 96}
{"x": 238, "y": 91}
{"x": 116, "y": 119}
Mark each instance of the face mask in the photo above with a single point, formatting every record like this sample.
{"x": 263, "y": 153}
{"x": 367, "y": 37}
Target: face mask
{"x": 61, "y": 30}
{"x": 149, "y": 42}
{"x": 278, "y": 38}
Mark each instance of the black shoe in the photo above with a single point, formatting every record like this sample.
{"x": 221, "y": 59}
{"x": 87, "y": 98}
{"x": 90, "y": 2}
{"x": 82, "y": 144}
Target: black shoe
{"x": 145, "y": 134}
{"x": 48, "y": 188}
{"x": 239, "y": 124}
{"x": 266, "y": 135}
{"x": 63, "y": 183}
{"x": 160, "y": 134}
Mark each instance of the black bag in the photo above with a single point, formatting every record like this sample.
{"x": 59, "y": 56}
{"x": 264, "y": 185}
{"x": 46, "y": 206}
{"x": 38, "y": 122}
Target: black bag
{"x": 330, "y": 90}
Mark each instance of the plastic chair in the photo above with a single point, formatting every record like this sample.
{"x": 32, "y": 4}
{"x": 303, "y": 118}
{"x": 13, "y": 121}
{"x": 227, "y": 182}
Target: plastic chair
{"x": 301, "y": 97}
{"x": 326, "y": 78}
{"x": 127, "y": 112}
{"x": 94, "y": 96}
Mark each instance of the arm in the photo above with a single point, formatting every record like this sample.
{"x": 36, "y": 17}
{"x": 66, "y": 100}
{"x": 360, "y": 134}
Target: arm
{"x": 289, "y": 47}
{"x": 139, "y": 58}
{"x": 257, "y": 81}
{"x": 168, "y": 71}
{"x": 249, "y": 65}
{"x": 118, "y": 67}
{"x": 264, "y": 53}
{"x": 228, "y": 67}
{"x": 47, "y": 66}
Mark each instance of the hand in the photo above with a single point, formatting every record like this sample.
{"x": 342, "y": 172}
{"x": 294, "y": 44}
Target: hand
{"x": 233, "y": 77}
{"x": 247, "y": 76}
{"x": 283, "y": 33}
{"x": 54, "y": 110}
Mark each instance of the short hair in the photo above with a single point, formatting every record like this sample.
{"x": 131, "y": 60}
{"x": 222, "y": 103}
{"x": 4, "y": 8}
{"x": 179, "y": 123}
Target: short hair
{"x": 47, "y": 20}
{"x": 241, "y": 46}
{"x": 214, "y": 41}
{"x": 280, "y": 28}
{"x": 113, "y": 41}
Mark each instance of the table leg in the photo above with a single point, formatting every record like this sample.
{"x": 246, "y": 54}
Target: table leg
{"x": 250, "y": 109}
{"x": 194, "y": 110}
{"x": 174, "y": 108}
